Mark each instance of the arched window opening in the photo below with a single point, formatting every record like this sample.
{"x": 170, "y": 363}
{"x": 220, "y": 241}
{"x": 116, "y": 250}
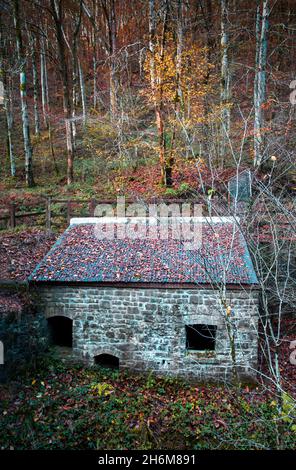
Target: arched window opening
{"x": 107, "y": 360}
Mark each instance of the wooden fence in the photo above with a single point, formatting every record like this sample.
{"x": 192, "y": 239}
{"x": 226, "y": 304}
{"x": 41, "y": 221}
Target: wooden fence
{"x": 13, "y": 213}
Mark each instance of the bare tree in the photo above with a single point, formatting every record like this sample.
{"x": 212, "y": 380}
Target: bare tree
{"x": 6, "y": 79}
{"x": 76, "y": 20}
{"x": 225, "y": 81}
{"x": 57, "y": 13}
{"x": 33, "y": 46}
{"x": 23, "y": 94}
{"x": 83, "y": 93}
{"x": 45, "y": 100}
{"x": 262, "y": 26}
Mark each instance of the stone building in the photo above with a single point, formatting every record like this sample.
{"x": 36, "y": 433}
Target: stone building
{"x": 152, "y": 304}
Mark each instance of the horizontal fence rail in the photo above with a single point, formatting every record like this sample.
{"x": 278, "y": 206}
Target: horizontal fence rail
{"x": 13, "y": 213}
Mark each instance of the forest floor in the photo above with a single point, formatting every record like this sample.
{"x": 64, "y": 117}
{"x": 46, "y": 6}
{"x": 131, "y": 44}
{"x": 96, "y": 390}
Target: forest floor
{"x": 63, "y": 407}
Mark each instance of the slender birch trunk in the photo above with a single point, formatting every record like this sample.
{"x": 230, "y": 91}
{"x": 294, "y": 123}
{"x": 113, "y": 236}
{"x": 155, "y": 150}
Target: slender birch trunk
{"x": 9, "y": 120}
{"x": 32, "y": 45}
{"x": 83, "y": 94}
{"x": 75, "y": 83}
{"x": 32, "y": 42}
{"x": 46, "y": 103}
{"x": 75, "y": 72}
{"x": 113, "y": 72}
{"x": 94, "y": 58}
{"x": 260, "y": 80}
{"x": 23, "y": 95}
{"x": 95, "y": 92}
{"x": 6, "y": 98}
{"x": 43, "y": 72}
{"x": 225, "y": 93}
{"x": 74, "y": 89}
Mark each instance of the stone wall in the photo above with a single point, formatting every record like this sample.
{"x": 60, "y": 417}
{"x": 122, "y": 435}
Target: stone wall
{"x": 145, "y": 328}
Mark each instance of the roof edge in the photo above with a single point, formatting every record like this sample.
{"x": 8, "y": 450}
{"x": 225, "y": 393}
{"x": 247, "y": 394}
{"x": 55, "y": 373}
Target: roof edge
{"x": 146, "y": 285}
{"x": 152, "y": 220}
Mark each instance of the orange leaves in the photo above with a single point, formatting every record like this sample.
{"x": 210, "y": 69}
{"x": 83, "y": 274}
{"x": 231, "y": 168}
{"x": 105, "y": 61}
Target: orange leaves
{"x": 180, "y": 80}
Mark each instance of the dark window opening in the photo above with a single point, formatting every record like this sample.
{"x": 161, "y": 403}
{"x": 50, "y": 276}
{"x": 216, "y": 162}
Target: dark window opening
{"x": 60, "y": 329}
{"x": 107, "y": 360}
{"x": 201, "y": 337}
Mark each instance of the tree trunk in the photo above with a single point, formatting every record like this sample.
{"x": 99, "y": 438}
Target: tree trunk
{"x": 43, "y": 74}
{"x": 23, "y": 94}
{"x": 95, "y": 92}
{"x": 180, "y": 47}
{"x": 225, "y": 83}
{"x": 75, "y": 72}
{"x": 179, "y": 102}
{"x": 113, "y": 72}
{"x": 9, "y": 120}
{"x": 152, "y": 32}
{"x": 161, "y": 140}
{"x": 83, "y": 95}
{"x": 46, "y": 104}
{"x": 35, "y": 85}
{"x": 74, "y": 90}
{"x": 93, "y": 19}
{"x": 157, "y": 93}
{"x": 56, "y": 11}
{"x": 260, "y": 80}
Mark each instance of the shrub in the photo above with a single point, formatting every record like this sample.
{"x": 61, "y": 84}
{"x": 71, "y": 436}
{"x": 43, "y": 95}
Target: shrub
{"x": 25, "y": 338}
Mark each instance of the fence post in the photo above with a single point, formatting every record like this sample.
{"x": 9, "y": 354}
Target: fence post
{"x": 92, "y": 207}
{"x": 48, "y": 214}
{"x": 12, "y": 215}
{"x": 68, "y": 212}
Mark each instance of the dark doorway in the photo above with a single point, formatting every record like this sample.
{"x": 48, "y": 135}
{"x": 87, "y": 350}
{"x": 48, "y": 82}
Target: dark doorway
{"x": 60, "y": 329}
{"x": 107, "y": 360}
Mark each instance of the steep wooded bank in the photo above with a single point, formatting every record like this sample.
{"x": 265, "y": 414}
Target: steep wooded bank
{"x": 109, "y": 85}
